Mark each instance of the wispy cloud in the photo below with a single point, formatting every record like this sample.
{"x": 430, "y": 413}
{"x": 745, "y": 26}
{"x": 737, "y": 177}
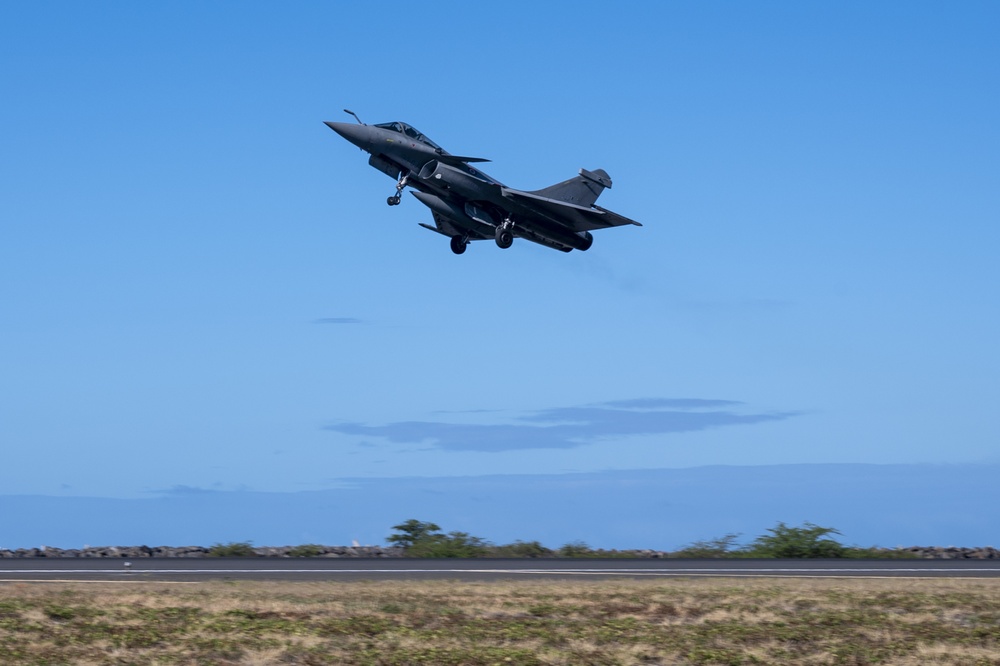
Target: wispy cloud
{"x": 183, "y": 490}
{"x": 337, "y": 320}
{"x": 569, "y": 427}
{"x": 679, "y": 403}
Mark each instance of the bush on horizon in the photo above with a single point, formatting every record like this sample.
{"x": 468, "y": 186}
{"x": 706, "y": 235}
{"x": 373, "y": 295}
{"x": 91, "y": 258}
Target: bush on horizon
{"x": 808, "y": 541}
{"x": 306, "y": 550}
{"x": 425, "y": 539}
{"x": 232, "y": 549}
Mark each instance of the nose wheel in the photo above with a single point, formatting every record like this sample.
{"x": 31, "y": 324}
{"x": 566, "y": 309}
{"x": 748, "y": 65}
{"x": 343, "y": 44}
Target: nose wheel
{"x": 394, "y": 199}
{"x": 458, "y": 244}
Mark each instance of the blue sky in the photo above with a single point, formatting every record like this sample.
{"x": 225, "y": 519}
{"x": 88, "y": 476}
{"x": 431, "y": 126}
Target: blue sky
{"x": 201, "y": 285}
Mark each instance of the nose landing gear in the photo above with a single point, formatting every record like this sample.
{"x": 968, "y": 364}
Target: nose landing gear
{"x": 394, "y": 199}
{"x": 458, "y": 244}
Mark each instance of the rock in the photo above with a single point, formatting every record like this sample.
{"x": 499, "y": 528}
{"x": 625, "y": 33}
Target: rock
{"x": 139, "y": 552}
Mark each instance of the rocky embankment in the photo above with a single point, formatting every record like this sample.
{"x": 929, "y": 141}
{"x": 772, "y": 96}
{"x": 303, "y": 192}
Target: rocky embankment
{"x": 136, "y": 552}
{"x": 952, "y": 553}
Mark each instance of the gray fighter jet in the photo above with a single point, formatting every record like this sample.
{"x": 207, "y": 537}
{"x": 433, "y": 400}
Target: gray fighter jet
{"x": 468, "y": 205}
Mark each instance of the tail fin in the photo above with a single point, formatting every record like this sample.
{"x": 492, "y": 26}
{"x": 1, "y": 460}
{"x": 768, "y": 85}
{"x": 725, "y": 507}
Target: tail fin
{"x": 581, "y": 190}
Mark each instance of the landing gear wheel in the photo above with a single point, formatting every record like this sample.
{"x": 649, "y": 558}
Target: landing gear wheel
{"x": 504, "y": 238}
{"x": 394, "y": 199}
{"x": 458, "y": 244}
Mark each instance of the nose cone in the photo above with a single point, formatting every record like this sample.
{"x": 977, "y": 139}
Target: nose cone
{"x": 359, "y": 135}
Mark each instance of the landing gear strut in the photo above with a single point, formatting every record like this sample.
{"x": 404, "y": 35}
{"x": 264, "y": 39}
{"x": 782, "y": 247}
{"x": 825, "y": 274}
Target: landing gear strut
{"x": 394, "y": 199}
{"x": 458, "y": 244}
{"x": 505, "y": 234}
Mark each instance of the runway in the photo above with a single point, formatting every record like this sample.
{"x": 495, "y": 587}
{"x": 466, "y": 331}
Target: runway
{"x": 324, "y": 569}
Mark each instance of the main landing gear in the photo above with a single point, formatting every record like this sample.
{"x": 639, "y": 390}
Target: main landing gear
{"x": 394, "y": 199}
{"x": 505, "y": 234}
{"x": 458, "y": 244}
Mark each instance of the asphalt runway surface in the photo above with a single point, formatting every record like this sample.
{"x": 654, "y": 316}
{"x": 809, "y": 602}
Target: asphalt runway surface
{"x": 327, "y": 569}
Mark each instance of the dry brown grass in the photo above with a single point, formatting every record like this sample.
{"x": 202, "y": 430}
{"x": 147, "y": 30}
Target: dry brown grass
{"x": 681, "y": 621}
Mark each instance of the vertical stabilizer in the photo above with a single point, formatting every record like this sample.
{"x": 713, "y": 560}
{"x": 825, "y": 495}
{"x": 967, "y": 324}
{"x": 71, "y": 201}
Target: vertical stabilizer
{"x": 581, "y": 190}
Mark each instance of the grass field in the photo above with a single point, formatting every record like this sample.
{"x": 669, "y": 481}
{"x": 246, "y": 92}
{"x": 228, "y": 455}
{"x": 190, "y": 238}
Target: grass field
{"x": 676, "y": 621}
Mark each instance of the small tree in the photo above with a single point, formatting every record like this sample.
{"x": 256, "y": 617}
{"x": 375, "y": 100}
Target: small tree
{"x": 808, "y": 541}
{"x": 411, "y": 531}
{"x": 423, "y": 539}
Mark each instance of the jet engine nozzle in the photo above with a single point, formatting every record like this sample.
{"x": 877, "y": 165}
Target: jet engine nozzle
{"x": 428, "y": 171}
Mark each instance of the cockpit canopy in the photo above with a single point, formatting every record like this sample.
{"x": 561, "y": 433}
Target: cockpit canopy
{"x": 411, "y": 132}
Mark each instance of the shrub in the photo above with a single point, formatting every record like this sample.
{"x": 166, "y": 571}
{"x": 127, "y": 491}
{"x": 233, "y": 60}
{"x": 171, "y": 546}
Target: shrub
{"x": 718, "y": 547}
{"x": 232, "y": 549}
{"x": 522, "y": 549}
{"x": 306, "y": 550}
{"x": 453, "y": 544}
{"x": 575, "y": 549}
{"x": 808, "y": 541}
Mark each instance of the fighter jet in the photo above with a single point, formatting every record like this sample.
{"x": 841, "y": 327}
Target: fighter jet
{"x": 468, "y": 205}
